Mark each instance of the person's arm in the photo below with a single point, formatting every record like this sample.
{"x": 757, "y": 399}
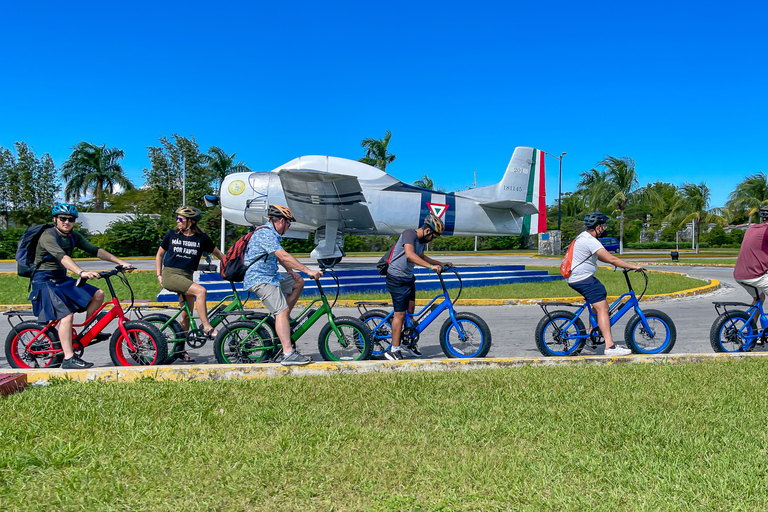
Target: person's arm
{"x": 291, "y": 263}
{"x": 218, "y": 254}
{"x": 159, "y": 264}
{"x": 73, "y": 267}
{"x": 606, "y": 257}
{"x": 420, "y": 259}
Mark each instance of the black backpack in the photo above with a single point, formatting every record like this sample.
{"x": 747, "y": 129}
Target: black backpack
{"x": 383, "y": 265}
{"x": 233, "y": 265}
{"x": 25, "y": 252}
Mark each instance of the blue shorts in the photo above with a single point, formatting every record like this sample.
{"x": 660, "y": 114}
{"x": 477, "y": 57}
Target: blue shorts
{"x": 402, "y": 290}
{"x": 591, "y": 289}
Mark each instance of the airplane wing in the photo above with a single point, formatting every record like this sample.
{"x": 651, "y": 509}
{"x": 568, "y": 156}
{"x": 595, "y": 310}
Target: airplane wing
{"x": 519, "y": 207}
{"x": 317, "y": 198}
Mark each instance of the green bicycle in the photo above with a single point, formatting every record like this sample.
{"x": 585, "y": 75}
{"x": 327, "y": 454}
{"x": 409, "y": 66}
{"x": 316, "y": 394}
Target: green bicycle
{"x": 254, "y": 340}
{"x": 176, "y": 337}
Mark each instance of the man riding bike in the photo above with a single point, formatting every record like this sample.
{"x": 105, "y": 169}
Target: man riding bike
{"x": 54, "y": 295}
{"x": 278, "y": 294}
{"x": 401, "y": 283}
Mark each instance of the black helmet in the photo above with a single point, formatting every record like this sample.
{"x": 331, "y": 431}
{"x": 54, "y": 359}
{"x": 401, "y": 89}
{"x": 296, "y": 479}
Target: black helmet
{"x": 594, "y": 219}
{"x": 278, "y": 210}
{"x": 190, "y": 212}
{"x": 763, "y": 213}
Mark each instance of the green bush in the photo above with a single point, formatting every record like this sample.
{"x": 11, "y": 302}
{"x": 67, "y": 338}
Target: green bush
{"x": 9, "y": 240}
{"x": 138, "y": 237}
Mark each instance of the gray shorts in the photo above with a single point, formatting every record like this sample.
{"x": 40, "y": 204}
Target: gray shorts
{"x": 273, "y": 297}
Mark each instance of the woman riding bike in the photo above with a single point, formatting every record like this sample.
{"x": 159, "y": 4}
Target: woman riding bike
{"x": 185, "y": 246}
{"x": 587, "y": 249}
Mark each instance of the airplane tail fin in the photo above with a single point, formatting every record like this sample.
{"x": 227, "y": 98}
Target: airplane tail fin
{"x": 522, "y": 189}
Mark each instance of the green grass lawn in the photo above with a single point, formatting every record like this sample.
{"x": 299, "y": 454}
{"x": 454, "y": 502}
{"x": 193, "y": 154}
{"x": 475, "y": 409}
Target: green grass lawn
{"x": 13, "y": 289}
{"x": 604, "y": 438}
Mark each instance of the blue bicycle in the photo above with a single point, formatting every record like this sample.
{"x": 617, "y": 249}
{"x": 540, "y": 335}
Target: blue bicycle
{"x": 463, "y": 335}
{"x": 737, "y": 331}
{"x": 562, "y": 333}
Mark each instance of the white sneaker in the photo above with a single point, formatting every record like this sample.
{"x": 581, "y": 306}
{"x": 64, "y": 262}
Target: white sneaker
{"x": 617, "y": 350}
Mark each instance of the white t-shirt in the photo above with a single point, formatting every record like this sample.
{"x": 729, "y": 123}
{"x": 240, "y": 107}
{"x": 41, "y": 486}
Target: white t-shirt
{"x": 584, "y": 262}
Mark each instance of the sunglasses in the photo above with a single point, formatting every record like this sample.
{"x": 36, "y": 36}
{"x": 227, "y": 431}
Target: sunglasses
{"x": 66, "y": 219}
{"x": 180, "y": 219}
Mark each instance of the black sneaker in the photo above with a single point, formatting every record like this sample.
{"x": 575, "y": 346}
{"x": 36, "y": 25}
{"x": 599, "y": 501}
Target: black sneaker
{"x": 412, "y": 349}
{"x": 394, "y": 355}
{"x": 75, "y": 363}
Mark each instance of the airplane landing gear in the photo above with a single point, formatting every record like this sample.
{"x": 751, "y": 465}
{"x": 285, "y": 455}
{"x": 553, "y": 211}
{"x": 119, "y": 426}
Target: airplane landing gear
{"x": 328, "y": 262}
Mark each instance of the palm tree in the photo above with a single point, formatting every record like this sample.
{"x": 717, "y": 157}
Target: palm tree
{"x": 750, "y": 194}
{"x": 695, "y": 199}
{"x": 376, "y": 153}
{"x": 220, "y": 164}
{"x": 592, "y": 187}
{"x": 427, "y": 183}
{"x": 94, "y": 169}
{"x": 622, "y": 184}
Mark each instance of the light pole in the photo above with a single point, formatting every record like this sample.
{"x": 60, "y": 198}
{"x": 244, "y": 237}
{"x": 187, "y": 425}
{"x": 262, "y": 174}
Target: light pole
{"x": 559, "y": 185}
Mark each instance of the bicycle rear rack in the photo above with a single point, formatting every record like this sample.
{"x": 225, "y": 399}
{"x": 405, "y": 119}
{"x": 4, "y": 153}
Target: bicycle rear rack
{"x": 725, "y": 306}
{"x": 18, "y": 313}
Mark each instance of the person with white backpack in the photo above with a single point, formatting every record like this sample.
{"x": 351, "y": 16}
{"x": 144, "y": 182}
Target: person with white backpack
{"x": 587, "y": 249}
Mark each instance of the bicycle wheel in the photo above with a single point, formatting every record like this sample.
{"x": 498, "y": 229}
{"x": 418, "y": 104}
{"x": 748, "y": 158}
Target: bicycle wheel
{"x": 354, "y": 345}
{"x": 381, "y": 336}
{"x": 733, "y": 332}
{"x": 552, "y": 340}
{"x": 17, "y": 346}
{"x": 240, "y": 343}
{"x": 149, "y": 344}
{"x": 471, "y": 339}
{"x": 173, "y": 332}
{"x": 659, "y": 340}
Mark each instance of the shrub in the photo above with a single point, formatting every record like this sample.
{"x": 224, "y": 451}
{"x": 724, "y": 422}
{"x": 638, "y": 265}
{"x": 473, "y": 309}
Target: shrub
{"x": 138, "y": 237}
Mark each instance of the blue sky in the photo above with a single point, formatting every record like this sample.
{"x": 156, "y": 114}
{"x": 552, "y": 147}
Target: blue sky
{"x": 678, "y": 86}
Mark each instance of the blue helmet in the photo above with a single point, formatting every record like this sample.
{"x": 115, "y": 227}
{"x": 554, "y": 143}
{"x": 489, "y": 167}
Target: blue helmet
{"x": 64, "y": 209}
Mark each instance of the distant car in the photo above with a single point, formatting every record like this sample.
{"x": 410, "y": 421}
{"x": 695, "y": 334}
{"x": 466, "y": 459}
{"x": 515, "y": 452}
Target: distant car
{"x": 610, "y": 244}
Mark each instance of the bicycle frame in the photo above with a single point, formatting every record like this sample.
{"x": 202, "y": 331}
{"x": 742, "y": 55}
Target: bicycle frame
{"x": 431, "y": 310}
{"x": 87, "y": 339}
{"x": 215, "y": 317}
{"x": 301, "y": 323}
{"x": 755, "y": 312}
{"x": 616, "y": 311}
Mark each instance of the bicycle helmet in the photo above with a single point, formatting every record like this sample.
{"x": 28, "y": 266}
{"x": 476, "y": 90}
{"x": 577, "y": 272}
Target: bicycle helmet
{"x": 763, "y": 213}
{"x": 434, "y": 223}
{"x": 592, "y": 220}
{"x": 190, "y": 212}
{"x": 278, "y": 210}
{"x": 64, "y": 209}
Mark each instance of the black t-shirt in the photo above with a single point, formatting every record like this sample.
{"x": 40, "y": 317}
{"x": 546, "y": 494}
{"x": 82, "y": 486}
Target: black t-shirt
{"x": 184, "y": 252}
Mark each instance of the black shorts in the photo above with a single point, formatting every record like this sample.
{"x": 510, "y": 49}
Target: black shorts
{"x": 402, "y": 290}
{"x": 591, "y": 289}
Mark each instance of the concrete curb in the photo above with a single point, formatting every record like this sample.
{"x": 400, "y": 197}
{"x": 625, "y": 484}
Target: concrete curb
{"x": 261, "y": 371}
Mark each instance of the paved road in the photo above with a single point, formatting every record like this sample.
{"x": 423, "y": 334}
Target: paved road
{"x": 512, "y": 326}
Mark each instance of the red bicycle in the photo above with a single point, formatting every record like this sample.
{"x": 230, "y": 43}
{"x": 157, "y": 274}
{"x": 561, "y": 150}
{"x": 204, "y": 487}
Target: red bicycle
{"x": 32, "y": 344}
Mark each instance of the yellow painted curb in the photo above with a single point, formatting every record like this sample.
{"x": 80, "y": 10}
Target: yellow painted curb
{"x": 179, "y": 373}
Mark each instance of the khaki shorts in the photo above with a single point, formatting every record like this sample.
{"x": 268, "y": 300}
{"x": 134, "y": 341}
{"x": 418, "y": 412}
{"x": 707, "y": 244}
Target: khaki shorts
{"x": 273, "y": 297}
{"x": 177, "y": 280}
{"x": 755, "y": 286}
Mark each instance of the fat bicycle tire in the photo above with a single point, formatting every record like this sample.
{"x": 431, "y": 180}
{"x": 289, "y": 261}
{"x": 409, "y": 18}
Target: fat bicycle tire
{"x": 151, "y": 345}
{"x": 547, "y": 336}
{"x": 20, "y": 336}
{"x": 381, "y": 337}
{"x": 240, "y": 343}
{"x": 664, "y": 333}
{"x": 173, "y": 333}
{"x": 724, "y": 337}
{"x": 476, "y": 334}
{"x": 356, "y": 345}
